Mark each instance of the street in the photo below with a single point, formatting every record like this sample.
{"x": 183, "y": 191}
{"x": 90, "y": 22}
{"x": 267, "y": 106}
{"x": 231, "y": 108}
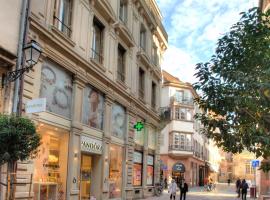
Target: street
{"x": 222, "y": 192}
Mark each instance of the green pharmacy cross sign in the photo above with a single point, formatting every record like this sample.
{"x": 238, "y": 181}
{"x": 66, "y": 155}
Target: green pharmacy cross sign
{"x": 139, "y": 126}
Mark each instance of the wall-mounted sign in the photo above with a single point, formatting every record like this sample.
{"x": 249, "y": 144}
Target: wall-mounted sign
{"x": 150, "y": 160}
{"x": 35, "y": 105}
{"x": 137, "y": 157}
{"x": 139, "y": 126}
{"x": 91, "y": 145}
{"x": 179, "y": 167}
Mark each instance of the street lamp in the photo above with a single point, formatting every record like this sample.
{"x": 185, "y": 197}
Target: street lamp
{"x": 32, "y": 53}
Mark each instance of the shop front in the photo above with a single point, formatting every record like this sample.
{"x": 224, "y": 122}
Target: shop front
{"x": 178, "y": 172}
{"x": 50, "y": 165}
{"x": 90, "y": 170}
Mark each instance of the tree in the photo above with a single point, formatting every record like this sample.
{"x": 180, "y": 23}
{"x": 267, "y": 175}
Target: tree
{"x": 18, "y": 140}
{"x": 235, "y": 87}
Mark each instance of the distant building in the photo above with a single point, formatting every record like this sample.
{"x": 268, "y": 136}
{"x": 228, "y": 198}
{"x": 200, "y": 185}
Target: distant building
{"x": 183, "y": 150}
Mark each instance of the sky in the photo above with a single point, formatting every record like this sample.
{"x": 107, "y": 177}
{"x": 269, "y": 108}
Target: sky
{"x": 193, "y": 27}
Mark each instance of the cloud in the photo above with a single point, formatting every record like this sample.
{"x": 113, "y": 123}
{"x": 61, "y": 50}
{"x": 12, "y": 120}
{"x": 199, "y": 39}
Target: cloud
{"x": 194, "y": 27}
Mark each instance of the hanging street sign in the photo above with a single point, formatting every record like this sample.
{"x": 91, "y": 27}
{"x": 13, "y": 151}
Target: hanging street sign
{"x": 139, "y": 126}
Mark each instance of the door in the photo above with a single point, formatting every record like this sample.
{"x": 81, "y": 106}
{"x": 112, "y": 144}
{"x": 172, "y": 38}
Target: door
{"x": 85, "y": 184}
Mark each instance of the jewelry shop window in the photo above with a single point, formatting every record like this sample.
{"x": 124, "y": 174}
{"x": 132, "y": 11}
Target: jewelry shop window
{"x": 56, "y": 87}
{"x": 150, "y": 170}
{"x": 115, "y": 176}
{"x": 137, "y": 168}
{"x": 93, "y": 108}
{"x": 50, "y": 166}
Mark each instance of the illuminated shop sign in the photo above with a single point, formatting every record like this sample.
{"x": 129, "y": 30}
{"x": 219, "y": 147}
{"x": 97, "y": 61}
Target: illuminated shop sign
{"x": 91, "y": 145}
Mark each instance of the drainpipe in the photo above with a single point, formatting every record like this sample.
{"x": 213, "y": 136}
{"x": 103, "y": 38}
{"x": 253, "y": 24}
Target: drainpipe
{"x": 22, "y": 34}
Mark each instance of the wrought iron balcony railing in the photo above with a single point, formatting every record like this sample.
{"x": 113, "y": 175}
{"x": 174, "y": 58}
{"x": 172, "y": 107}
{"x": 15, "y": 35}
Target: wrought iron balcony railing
{"x": 181, "y": 148}
{"x": 184, "y": 101}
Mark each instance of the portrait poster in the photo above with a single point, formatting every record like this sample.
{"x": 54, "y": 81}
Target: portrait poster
{"x": 56, "y": 87}
{"x": 93, "y": 108}
{"x": 118, "y": 121}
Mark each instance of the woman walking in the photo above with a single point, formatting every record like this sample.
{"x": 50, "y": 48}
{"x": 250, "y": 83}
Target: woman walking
{"x": 172, "y": 189}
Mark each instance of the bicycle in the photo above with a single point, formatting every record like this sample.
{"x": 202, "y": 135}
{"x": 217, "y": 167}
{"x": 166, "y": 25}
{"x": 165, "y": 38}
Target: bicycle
{"x": 158, "y": 189}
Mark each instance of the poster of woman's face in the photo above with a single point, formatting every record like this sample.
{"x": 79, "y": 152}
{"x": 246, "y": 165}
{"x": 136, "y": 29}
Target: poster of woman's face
{"x": 93, "y": 108}
{"x": 56, "y": 87}
{"x": 118, "y": 121}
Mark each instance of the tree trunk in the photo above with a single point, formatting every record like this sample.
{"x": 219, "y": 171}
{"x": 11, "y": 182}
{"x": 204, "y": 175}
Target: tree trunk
{"x": 11, "y": 170}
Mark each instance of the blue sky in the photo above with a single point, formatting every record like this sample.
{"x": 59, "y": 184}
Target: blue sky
{"x": 194, "y": 27}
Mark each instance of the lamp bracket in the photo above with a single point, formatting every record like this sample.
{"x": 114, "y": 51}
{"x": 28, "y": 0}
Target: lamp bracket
{"x": 13, "y": 75}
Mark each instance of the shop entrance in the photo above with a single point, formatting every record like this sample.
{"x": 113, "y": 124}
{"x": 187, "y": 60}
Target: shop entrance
{"x": 178, "y": 171}
{"x": 85, "y": 184}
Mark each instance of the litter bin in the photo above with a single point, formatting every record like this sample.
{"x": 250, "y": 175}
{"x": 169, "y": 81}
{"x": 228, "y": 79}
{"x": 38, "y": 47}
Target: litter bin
{"x": 253, "y": 192}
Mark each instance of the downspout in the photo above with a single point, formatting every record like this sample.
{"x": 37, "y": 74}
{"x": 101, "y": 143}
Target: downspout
{"x": 22, "y": 32}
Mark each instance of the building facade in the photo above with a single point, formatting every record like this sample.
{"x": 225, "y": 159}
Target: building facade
{"x": 184, "y": 151}
{"x": 100, "y": 74}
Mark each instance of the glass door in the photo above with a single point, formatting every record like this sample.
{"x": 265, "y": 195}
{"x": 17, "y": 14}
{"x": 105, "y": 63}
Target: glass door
{"x": 85, "y": 185}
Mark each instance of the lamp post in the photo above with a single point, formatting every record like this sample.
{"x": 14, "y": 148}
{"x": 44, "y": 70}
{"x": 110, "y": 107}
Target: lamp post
{"x": 32, "y": 53}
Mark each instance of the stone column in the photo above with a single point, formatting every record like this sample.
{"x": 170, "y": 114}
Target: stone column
{"x": 74, "y": 147}
{"x": 106, "y": 146}
{"x": 157, "y": 158}
{"x": 145, "y": 153}
{"x": 129, "y": 149}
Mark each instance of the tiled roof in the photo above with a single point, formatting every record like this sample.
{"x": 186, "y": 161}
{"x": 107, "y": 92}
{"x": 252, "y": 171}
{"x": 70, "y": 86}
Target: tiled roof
{"x": 168, "y": 78}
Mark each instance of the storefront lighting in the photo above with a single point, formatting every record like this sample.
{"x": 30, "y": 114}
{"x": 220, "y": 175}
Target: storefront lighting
{"x": 32, "y": 52}
{"x": 75, "y": 154}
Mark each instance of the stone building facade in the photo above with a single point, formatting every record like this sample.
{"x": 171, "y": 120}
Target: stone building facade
{"x": 184, "y": 150}
{"x": 100, "y": 74}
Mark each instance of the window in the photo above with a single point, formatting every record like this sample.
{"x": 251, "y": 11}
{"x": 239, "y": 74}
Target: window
{"x": 153, "y": 95}
{"x": 249, "y": 168}
{"x": 137, "y": 168}
{"x": 115, "y": 173}
{"x": 62, "y": 16}
{"x": 183, "y": 114}
{"x": 97, "y": 43}
{"x": 141, "y": 83}
{"x": 155, "y": 55}
{"x": 123, "y": 11}
{"x": 150, "y": 170}
{"x": 121, "y": 64}
{"x": 143, "y": 37}
{"x": 179, "y": 96}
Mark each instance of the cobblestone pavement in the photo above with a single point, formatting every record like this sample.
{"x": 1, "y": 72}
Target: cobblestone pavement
{"x": 222, "y": 192}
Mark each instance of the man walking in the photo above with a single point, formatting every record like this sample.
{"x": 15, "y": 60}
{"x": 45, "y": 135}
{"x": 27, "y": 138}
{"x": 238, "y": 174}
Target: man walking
{"x": 237, "y": 185}
{"x": 183, "y": 190}
{"x": 244, "y": 186}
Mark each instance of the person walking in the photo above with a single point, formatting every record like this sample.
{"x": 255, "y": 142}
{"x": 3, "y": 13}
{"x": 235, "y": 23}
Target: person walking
{"x": 229, "y": 181}
{"x": 165, "y": 183}
{"x": 183, "y": 190}
{"x": 238, "y": 185}
{"x": 172, "y": 189}
{"x": 244, "y": 186}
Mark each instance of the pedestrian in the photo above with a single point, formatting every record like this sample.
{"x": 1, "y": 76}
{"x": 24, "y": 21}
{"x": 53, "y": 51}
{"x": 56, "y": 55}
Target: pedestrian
{"x": 244, "y": 186}
{"x": 229, "y": 181}
{"x": 238, "y": 187}
{"x": 183, "y": 190}
{"x": 165, "y": 183}
{"x": 172, "y": 189}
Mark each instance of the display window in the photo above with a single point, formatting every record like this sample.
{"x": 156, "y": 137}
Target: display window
{"x": 118, "y": 121}
{"x": 150, "y": 170}
{"x": 93, "y": 108}
{"x": 56, "y": 87}
{"x": 85, "y": 181}
{"x": 50, "y": 165}
{"x": 115, "y": 175}
{"x": 137, "y": 168}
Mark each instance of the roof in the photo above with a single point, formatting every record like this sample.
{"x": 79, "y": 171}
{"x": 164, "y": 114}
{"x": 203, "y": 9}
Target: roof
{"x": 168, "y": 78}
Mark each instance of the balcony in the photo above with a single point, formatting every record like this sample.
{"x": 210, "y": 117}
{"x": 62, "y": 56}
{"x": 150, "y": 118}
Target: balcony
{"x": 180, "y": 150}
{"x": 182, "y": 101}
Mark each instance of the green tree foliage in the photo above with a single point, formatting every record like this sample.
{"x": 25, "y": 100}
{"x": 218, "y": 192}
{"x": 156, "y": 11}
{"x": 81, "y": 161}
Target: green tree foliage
{"x": 235, "y": 87}
{"x": 18, "y": 139}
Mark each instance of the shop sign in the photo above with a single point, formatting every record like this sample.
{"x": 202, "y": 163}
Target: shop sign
{"x": 150, "y": 160}
{"x": 137, "y": 157}
{"x": 35, "y": 106}
{"x": 91, "y": 145}
{"x": 179, "y": 167}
